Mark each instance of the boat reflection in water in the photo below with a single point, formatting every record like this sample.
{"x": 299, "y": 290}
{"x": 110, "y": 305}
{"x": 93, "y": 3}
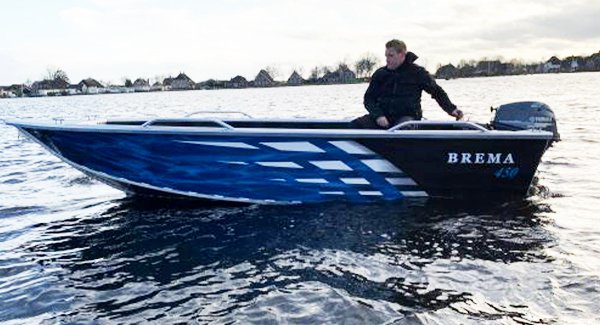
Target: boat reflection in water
{"x": 374, "y": 262}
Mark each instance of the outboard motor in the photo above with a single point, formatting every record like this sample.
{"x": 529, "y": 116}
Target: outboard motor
{"x": 525, "y": 115}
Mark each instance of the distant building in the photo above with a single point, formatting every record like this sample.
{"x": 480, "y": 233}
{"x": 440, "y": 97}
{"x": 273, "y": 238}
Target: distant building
{"x": 466, "y": 71}
{"x": 572, "y": 64}
{"x": 89, "y": 86}
{"x": 263, "y": 79}
{"x": 183, "y": 82}
{"x": 295, "y": 79}
{"x": 237, "y": 82}
{"x": 54, "y": 87}
{"x": 167, "y": 83}
{"x": 19, "y": 90}
{"x": 73, "y": 90}
{"x": 447, "y": 71}
{"x": 212, "y": 84}
{"x": 141, "y": 85}
{"x": 594, "y": 62}
{"x": 488, "y": 68}
{"x": 342, "y": 75}
{"x": 157, "y": 86}
{"x": 5, "y": 93}
{"x": 552, "y": 65}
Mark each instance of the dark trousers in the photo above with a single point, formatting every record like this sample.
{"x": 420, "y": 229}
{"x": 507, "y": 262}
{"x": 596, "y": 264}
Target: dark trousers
{"x": 368, "y": 122}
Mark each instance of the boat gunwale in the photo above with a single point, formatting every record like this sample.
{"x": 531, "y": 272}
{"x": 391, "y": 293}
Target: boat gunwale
{"x": 286, "y": 132}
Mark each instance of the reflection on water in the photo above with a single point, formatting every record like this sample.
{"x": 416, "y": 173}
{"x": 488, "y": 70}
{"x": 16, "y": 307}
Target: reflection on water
{"x": 137, "y": 260}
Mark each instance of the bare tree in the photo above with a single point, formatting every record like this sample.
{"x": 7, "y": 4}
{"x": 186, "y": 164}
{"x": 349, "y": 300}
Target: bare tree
{"x": 56, "y": 74}
{"x": 273, "y": 71}
{"x": 365, "y": 65}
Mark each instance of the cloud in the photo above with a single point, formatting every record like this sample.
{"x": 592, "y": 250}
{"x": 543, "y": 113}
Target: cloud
{"x": 108, "y": 39}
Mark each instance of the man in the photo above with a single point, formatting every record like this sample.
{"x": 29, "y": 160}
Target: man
{"x": 394, "y": 93}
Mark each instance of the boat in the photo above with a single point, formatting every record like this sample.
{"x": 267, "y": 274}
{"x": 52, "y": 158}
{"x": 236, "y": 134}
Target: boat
{"x": 287, "y": 161}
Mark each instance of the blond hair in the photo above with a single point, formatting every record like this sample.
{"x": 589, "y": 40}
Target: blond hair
{"x": 397, "y": 45}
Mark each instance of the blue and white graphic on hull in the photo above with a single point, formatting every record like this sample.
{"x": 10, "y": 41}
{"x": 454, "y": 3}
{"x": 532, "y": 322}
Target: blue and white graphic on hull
{"x": 323, "y": 170}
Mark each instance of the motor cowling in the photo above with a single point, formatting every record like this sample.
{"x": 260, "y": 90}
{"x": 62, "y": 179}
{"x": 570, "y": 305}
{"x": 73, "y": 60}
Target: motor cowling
{"x": 525, "y": 116}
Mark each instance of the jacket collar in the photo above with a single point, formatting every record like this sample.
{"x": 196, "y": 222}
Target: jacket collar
{"x": 410, "y": 58}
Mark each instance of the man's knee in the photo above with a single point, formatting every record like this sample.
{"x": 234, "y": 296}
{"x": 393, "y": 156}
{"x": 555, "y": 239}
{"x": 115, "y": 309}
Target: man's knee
{"x": 364, "y": 122}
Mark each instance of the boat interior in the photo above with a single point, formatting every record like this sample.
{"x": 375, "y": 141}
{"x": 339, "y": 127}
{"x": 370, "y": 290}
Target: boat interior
{"x": 293, "y": 124}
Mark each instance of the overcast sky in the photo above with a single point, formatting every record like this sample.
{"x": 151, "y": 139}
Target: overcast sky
{"x": 112, "y": 39}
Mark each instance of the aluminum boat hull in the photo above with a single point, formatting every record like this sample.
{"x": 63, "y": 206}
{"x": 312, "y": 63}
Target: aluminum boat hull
{"x": 270, "y": 166}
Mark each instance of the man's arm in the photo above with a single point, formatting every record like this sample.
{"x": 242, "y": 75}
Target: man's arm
{"x": 440, "y": 96}
{"x": 372, "y": 95}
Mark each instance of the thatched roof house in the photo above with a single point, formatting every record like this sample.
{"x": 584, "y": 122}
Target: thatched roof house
{"x": 447, "y": 71}
{"x": 182, "y": 82}
{"x": 342, "y": 75}
{"x": 263, "y": 79}
{"x": 141, "y": 85}
{"x": 50, "y": 87}
{"x": 89, "y": 86}
{"x": 237, "y": 82}
{"x": 295, "y": 79}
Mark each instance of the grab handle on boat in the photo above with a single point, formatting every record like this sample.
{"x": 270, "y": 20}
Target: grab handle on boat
{"x": 222, "y": 112}
{"x": 469, "y": 125}
{"x": 214, "y": 120}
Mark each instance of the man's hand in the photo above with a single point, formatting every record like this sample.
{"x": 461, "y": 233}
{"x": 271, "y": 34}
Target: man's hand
{"x": 457, "y": 113}
{"x": 383, "y": 122}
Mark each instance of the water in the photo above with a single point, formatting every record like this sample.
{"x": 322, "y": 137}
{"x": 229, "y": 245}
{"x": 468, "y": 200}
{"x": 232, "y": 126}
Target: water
{"x": 73, "y": 250}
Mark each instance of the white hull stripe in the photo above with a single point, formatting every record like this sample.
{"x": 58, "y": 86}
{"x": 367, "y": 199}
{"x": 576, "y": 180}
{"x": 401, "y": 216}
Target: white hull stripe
{"x": 401, "y": 181}
{"x": 331, "y": 165}
{"x": 381, "y": 165}
{"x": 370, "y": 193}
{"x": 300, "y": 146}
{"x": 279, "y": 164}
{"x": 239, "y": 145}
{"x": 332, "y": 193}
{"x": 312, "y": 180}
{"x": 414, "y": 193}
{"x": 352, "y": 147}
{"x": 234, "y": 162}
{"x": 355, "y": 181}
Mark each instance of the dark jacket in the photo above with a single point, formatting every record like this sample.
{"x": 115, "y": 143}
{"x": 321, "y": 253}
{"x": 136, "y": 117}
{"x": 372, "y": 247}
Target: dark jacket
{"x": 397, "y": 93}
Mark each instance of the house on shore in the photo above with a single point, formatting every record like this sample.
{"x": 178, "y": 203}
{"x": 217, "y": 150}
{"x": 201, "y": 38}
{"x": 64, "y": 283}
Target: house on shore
{"x": 157, "y": 86}
{"x": 89, "y": 86}
{"x": 342, "y": 75}
{"x": 182, "y": 82}
{"x": 593, "y": 62}
{"x": 167, "y": 83}
{"x": 5, "y": 93}
{"x": 212, "y": 84}
{"x": 19, "y": 90}
{"x": 488, "y": 68}
{"x": 572, "y": 64}
{"x": 552, "y": 65}
{"x": 56, "y": 87}
{"x": 263, "y": 79}
{"x": 141, "y": 85}
{"x": 237, "y": 82}
{"x": 295, "y": 79}
{"x": 447, "y": 71}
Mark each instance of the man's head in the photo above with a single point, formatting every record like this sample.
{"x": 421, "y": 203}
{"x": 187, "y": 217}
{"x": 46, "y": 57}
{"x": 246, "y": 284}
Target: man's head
{"x": 395, "y": 53}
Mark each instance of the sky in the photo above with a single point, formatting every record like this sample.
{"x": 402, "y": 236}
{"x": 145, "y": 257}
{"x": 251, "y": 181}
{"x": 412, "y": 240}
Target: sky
{"x": 110, "y": 40}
